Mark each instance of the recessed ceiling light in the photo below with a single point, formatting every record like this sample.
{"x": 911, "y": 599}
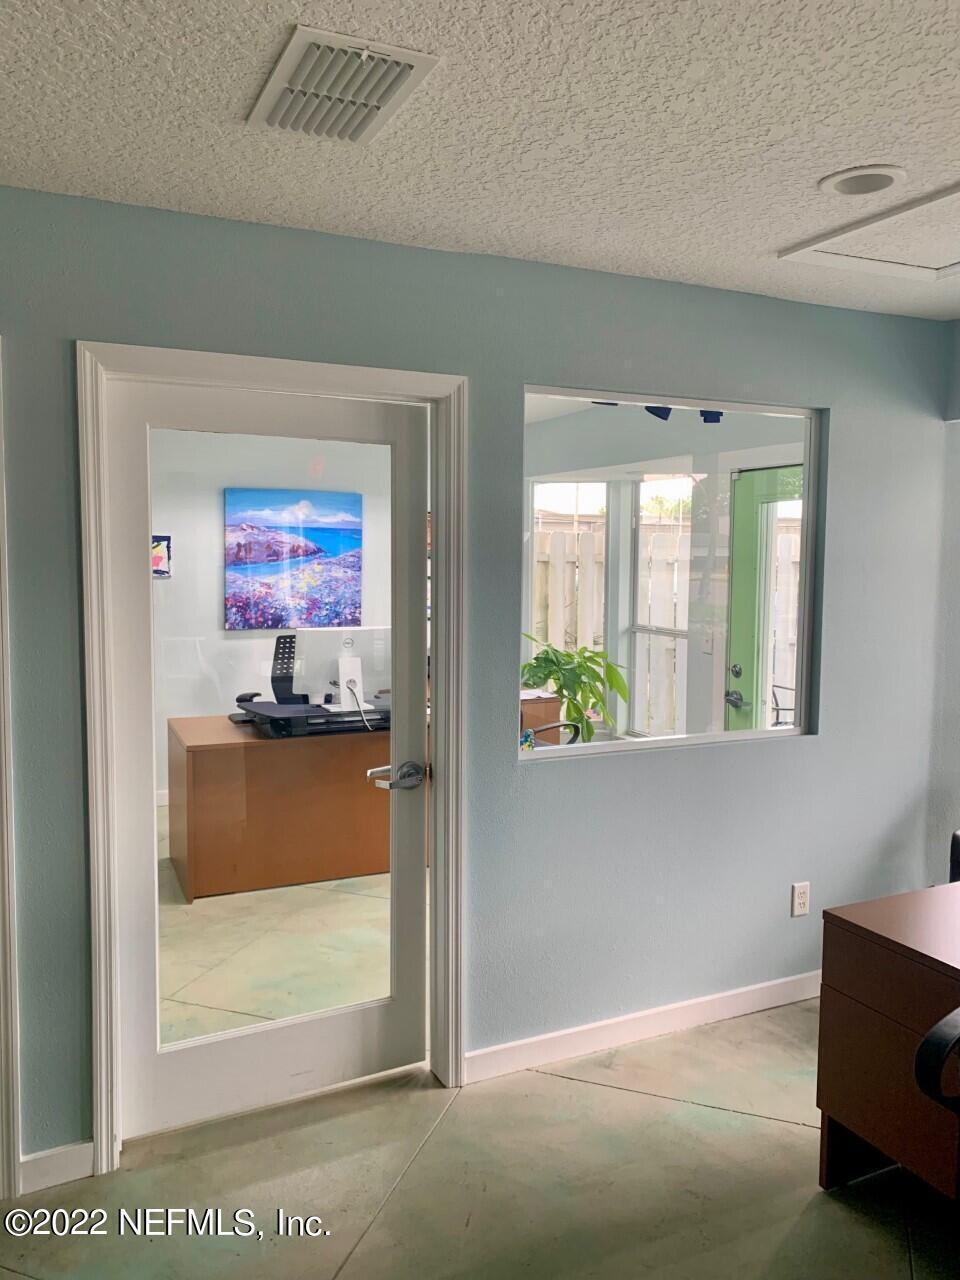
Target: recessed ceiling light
{"x": 863, "y": 180}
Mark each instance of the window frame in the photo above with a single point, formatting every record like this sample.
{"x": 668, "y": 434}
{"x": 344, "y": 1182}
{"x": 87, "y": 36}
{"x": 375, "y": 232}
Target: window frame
{"x": 806, "y": 604}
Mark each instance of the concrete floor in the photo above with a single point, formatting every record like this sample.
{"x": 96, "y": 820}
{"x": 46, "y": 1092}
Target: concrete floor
{"x": 243, "y": 958}
{"x": 690, "y": 1157}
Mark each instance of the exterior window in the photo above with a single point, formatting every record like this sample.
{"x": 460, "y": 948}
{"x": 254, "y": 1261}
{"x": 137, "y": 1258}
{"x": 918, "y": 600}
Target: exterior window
{"x": 666, "y": 577}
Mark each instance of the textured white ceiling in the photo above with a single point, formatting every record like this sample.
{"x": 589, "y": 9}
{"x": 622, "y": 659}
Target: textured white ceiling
{"x": 680, "y": 139}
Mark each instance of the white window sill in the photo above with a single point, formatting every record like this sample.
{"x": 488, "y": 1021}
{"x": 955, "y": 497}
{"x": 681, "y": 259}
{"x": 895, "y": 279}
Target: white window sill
{"x": 620, "y": 746}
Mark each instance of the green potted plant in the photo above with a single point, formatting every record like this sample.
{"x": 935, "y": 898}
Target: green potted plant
{"x": 581, "y": 678}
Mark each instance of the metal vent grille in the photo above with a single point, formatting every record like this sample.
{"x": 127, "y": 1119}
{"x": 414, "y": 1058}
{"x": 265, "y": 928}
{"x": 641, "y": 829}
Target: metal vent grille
{"x": 330, "y": 86}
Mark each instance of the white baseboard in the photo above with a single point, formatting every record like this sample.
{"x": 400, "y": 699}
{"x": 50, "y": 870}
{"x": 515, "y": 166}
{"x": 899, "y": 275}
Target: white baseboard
{"x": 68, "y": 1164}
{"x": 59, "y": 1164}
{"x": 163, "y": 799}
{"x": 537, "y": 1051}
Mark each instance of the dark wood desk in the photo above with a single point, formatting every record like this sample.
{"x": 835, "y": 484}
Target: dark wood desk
{"x": 891, "y": 970}
{"x": 255, "y": 813}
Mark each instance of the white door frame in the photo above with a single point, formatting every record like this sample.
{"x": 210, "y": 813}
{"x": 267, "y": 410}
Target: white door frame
{"x": 445, "y": 395}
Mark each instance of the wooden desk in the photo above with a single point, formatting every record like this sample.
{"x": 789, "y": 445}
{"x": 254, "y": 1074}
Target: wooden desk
{"x": 542, "y": 708}
{"x": 254, "y": 813}
{"x": 891, "y": 969}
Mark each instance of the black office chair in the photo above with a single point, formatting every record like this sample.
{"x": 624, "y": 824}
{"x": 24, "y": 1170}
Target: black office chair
{"x": 782, "y": 715}
{"x": 562, "y": 724}
{"x": 940, "y": 1042}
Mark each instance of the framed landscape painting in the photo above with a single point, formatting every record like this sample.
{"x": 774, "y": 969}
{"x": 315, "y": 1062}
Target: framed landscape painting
{"x": 292, "y": 558}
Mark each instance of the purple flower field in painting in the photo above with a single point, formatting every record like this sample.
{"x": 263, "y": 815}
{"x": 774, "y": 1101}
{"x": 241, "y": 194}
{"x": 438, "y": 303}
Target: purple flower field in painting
{"x": 319, "y": 592}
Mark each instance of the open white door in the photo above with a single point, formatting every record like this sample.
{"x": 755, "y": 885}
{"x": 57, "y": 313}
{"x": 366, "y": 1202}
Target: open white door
{"x": 299, "y": 963}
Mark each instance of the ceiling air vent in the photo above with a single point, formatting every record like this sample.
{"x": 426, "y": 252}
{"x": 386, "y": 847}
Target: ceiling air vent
{"x": 331, "y": 86}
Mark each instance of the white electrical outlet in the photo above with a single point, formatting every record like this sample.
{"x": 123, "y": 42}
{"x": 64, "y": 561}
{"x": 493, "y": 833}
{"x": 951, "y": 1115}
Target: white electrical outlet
{"x": 800, "y": 898}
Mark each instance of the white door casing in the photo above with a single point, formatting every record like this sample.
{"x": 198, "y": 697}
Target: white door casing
{"x": 122, "y": 390}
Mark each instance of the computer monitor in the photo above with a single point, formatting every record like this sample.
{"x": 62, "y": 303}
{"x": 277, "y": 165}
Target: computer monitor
{"x": 320, "y": 649}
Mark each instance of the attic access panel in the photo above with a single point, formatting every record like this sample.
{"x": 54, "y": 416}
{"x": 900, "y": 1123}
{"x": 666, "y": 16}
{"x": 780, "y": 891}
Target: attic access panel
{"x": 331, "y": 86}
{"x": 919, "y": 239}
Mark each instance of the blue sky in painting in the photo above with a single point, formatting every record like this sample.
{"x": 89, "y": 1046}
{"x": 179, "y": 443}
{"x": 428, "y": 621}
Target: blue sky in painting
{"x": 293, "y": 508}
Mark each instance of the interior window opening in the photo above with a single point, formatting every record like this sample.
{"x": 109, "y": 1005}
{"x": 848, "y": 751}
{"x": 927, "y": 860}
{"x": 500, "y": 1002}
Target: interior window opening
{"x": 665, "y": 572}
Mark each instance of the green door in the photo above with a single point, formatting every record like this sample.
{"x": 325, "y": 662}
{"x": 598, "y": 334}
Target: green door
{"x": 751, "y": 494}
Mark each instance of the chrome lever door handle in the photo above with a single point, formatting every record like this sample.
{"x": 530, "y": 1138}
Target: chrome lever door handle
{"x": 409, "y": 776}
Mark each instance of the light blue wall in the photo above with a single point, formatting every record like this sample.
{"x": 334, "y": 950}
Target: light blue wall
{"x": 593, "y": 888}
{"x": 944, "y": 781}
{"x": 953, "y": 390}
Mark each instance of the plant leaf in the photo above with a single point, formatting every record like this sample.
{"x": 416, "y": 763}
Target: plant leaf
{"x": 581, "y": 678}
{"x": 616, "y": 681}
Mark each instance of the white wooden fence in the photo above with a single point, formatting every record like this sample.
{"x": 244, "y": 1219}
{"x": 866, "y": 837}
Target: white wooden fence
{"x": 659, "y": 685}
{"x": 659, "y": 693}
{"x": 784, "y": 605}
{"x": 567, "y": 595}
{"x": 568, "y": 611}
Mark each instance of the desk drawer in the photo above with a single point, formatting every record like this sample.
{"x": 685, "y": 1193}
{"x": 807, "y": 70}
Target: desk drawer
{"x": 913, "y": 994}
{"x": 865, "y": 1081}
